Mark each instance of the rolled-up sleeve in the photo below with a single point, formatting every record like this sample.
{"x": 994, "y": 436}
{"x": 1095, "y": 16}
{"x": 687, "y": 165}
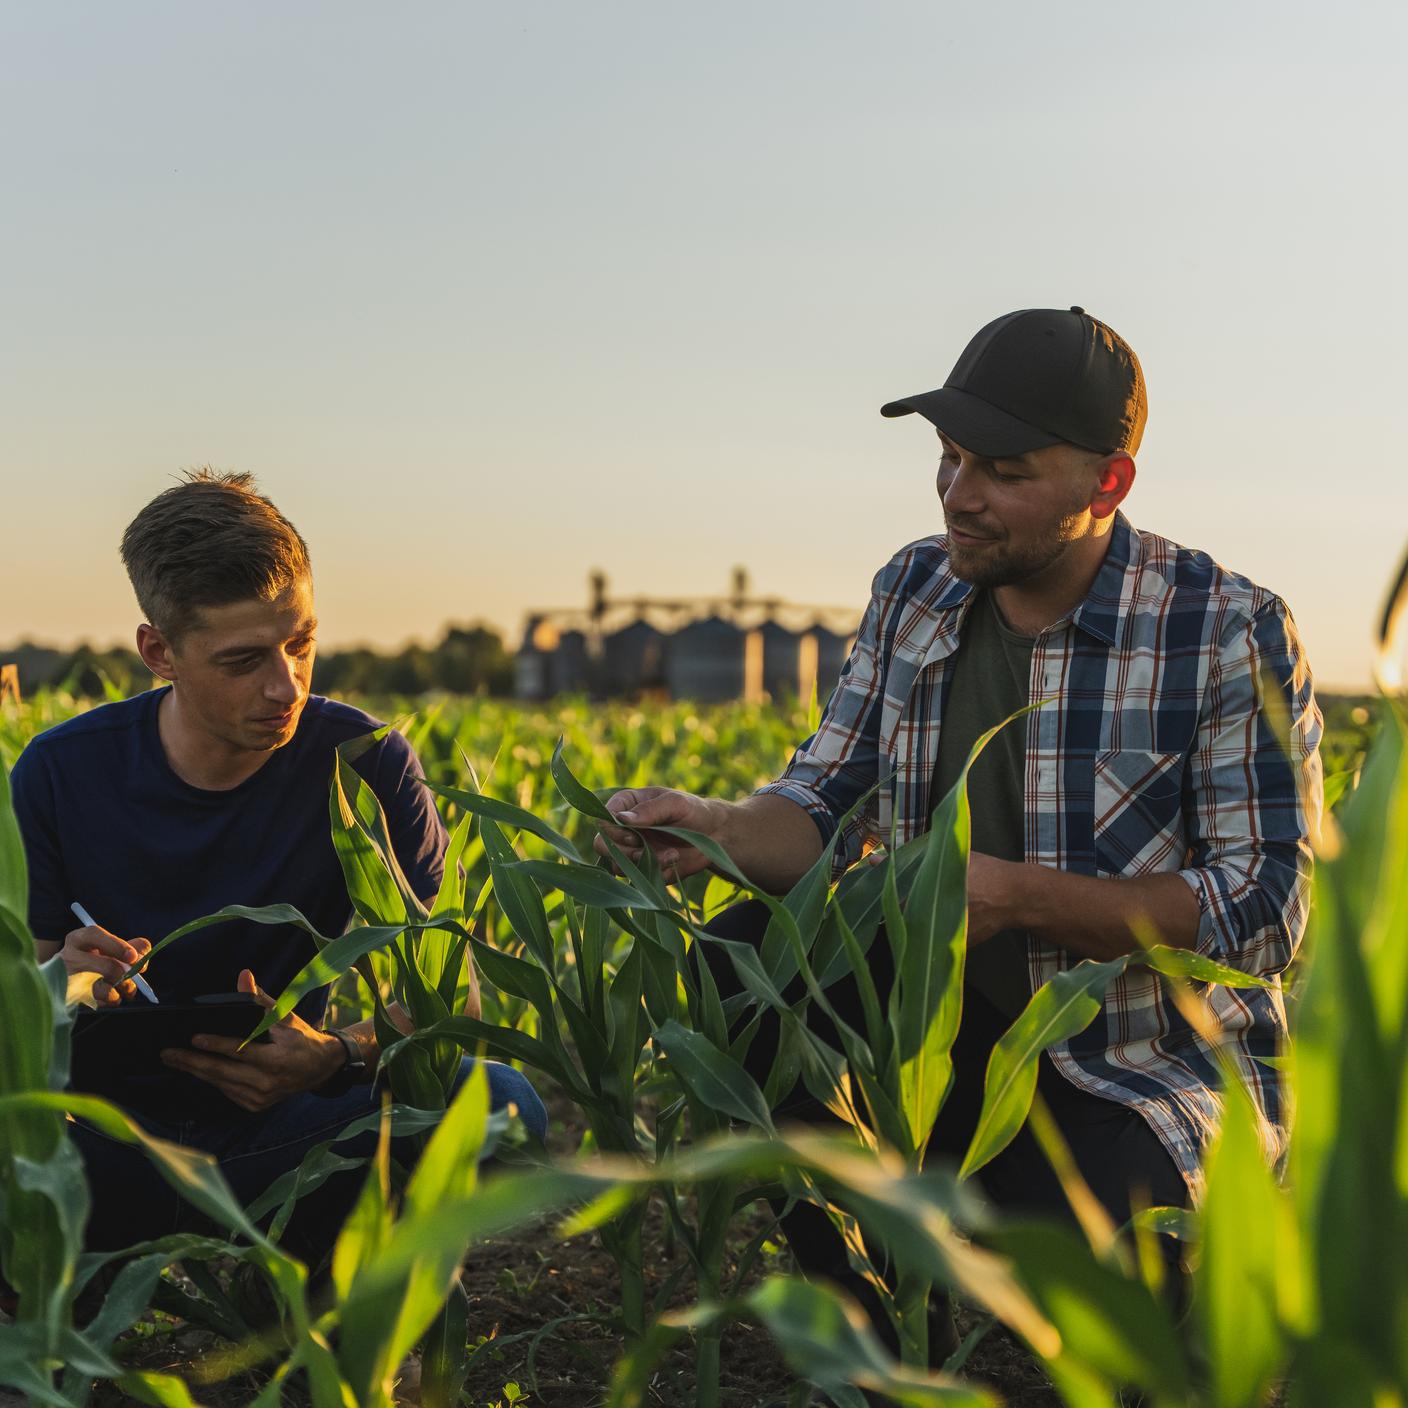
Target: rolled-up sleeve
{"x": 1254, "y": 794}
{"x": 835, "y": 768}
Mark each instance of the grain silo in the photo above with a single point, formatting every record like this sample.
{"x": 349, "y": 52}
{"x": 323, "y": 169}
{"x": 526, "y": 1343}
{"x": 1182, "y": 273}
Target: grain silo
{"x": 823, "y": 653}
{"x": 530, "y": 665}
{"x": 569, "y": 665}
{"x": 705, "y": 660}
{"x": 633, "y": 659}
{"x": 781, "y": 660}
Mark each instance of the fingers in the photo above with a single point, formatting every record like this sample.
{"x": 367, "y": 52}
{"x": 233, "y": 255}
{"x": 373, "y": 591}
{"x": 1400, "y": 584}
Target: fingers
{"x": 94, "y": 950}
{"x": 228, "y": 1046}
{"x": 686, "y": 863}
{"x": 623, "y": 800}
{"x": 664, "y": 808}
{"x": 246, "y": 983}
{"x": 246, "y": 1085}
{"x": 91, "y": 939}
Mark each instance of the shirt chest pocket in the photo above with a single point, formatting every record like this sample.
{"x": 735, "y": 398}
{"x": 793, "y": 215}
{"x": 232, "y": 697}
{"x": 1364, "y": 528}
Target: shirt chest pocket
{"x": 1138, "y": 812}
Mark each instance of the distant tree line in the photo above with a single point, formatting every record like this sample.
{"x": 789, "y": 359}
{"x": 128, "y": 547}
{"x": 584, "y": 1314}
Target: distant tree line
{"x": 467, "y": 660}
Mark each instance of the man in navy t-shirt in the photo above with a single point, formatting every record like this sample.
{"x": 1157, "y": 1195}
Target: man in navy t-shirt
{"x": 210, "y": 792}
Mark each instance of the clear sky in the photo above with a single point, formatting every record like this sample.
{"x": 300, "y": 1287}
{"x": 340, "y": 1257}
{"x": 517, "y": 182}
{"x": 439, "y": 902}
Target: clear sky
{"x": 489, "y": 295}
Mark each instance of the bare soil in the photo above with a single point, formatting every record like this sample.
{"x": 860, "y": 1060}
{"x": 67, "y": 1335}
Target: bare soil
{"x": 542, "y": 1322}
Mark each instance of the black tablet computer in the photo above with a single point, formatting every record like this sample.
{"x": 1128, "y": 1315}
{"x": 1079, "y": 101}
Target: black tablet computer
{"x": 110, "y": 1043}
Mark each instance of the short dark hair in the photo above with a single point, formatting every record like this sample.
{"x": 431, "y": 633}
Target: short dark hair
{"x": 209, "y": 541}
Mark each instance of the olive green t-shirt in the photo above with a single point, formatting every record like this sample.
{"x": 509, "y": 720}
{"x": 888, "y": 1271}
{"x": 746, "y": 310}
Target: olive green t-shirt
{"x": 990, "y": 679}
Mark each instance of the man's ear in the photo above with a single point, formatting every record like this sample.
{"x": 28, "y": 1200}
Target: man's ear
{"x": 156, "y": 652}
{"x": 1114, "y": 477}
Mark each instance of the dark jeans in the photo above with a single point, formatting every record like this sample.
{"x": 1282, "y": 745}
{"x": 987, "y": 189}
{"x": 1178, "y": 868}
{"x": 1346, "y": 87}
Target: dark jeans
{"x": 131, "y": 1202}
{"x": 1114, "y": 1148}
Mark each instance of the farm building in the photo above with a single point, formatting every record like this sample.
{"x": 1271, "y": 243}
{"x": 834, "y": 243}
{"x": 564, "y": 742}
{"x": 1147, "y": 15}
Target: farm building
{"x": 727, "y": 647}
{"x": 706, "y": 660}
{"x": 569, "y": 666}
{"x": 633, "y": 659}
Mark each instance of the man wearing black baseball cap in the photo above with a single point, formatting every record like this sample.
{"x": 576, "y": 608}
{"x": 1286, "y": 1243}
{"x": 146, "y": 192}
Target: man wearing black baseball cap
{"x": 1168, "y": 785}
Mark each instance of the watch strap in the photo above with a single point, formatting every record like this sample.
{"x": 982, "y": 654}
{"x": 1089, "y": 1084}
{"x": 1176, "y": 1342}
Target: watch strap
{"x": 356, "y": 1065}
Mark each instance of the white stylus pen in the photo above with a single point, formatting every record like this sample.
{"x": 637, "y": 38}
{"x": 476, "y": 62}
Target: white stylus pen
{"x": 143, "y": 986}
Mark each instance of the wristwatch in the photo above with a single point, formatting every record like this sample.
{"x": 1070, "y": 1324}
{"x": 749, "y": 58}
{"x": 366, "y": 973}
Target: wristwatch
{"x": 353, "y": 1072}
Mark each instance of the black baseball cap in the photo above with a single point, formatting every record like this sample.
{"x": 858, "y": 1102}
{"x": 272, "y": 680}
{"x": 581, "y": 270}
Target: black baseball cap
{"x": 1035, "y": 378}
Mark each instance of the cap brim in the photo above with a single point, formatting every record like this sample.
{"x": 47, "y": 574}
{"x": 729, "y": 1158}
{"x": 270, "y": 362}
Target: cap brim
{"x": 972, "y": 423}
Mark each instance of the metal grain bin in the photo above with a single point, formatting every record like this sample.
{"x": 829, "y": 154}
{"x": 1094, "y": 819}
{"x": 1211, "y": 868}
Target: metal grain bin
{"x": 569, "y": 665}
{"x": 823, "y": 654}
{"x": 781, "y": 660}
{"x": 705, "y": 660}
{"x": 633, "y": 659}
{"x": 530, "y": 665}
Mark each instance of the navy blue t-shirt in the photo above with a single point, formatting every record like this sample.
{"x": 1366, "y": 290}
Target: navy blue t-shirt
{"x": 106, "y": 822}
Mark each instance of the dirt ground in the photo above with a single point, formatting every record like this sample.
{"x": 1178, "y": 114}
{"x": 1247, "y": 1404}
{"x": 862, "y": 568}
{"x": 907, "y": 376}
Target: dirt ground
{"x": 541, "y": 1320}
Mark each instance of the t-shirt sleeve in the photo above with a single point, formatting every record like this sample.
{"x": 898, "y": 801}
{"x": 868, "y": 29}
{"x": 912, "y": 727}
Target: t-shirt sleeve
{"x": 32, "y": 794}
{"x": 417, "y": 833}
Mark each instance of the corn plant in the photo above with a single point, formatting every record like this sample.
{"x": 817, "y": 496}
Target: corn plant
{"x": 44, "y": 1203}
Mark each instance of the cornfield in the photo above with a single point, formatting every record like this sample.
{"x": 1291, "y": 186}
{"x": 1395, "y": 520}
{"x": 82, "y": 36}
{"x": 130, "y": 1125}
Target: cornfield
{"x": 595, "y": 983}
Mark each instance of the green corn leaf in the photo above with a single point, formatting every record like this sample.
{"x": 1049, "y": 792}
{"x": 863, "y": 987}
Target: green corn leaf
{"x": 715, "y": 1080}
{"x": 587, "y": 1037}
{"x": 480, "y": 805}
{"x": 804, "y": 904}
{"x": 661, "y": 982}
{"x": 323, "y": 1160}
{"x": 435, "y": 947}
{"x": 27, "y": 1363}
{"x": 749, "y": 968}
{"x": 877, "y": 1034}
{"x": 44, "y": 1197}
{"x": 367, "y": 806}
{"x": 364, "y": 1235}
{"x": 195, "y": 1176}
{"x": 14, "y": 870}
{"x": 1107, "y": 1323}
{"x": 1248, "y": 1247}
{"x": 263, "y": 914}
{"x": 1057, "y": 1011}
{"x": 827, "y": 1339}
{"x": 929, "y": 975}
{"x": 885, "y": 1117}
{"x": 586, "y": 884}
{"x": 629, "y": 1024}
{"x": 449, "y": 1167}
{"x": 337, "y": 957}
{"x": 1338, "y": 1372}
{"x": 824, "y": 1337}
{"x": 370, "y": 884}
{"x": 522, "y": 904}
{"x": 528, "y": 982}
{"x": 501, "y": 1043}
{"x": 716, "y": 854}
{"x": 786, "y": 1069}
{"x": 859, "y": 897}
{"x": 577, "y": 795}
{"x": 445, "y": 1353}
{"x": 192, "y": 1173}
{"x": 706, "y": 1009}
{"x": 412, "y": 1072}
{"x": 1369, "y": 878}
{"x": 646, "y": 877}
{"x": 163, "y": 1390}
{"x": 1183, "y": 963}
{"x": 516, "y": 976}
{"x": 1348, "y": 1065}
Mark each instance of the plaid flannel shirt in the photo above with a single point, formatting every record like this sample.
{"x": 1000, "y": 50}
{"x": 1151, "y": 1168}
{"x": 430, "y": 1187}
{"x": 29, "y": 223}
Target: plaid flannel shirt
{"x": 1181, "y": 735}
